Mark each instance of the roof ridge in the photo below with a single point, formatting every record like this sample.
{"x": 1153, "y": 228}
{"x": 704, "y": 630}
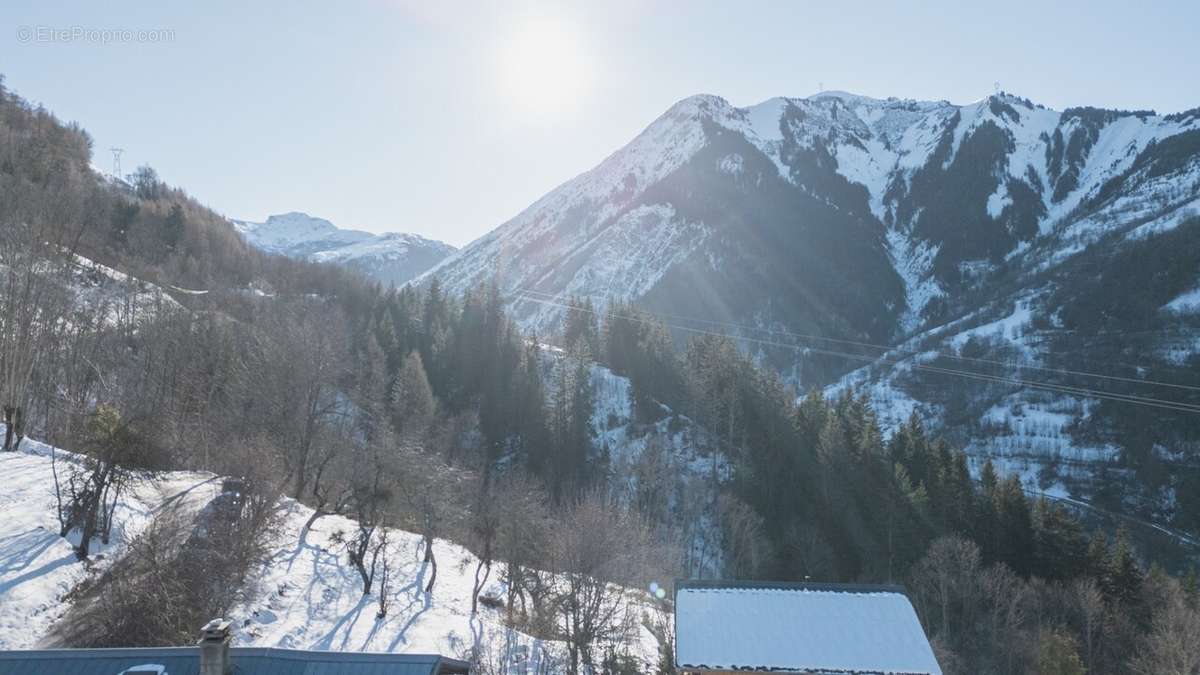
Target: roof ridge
{"x": 734, "y": 584}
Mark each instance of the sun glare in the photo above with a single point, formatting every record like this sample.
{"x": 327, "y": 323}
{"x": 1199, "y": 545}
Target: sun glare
{"x": 543, "y": 68}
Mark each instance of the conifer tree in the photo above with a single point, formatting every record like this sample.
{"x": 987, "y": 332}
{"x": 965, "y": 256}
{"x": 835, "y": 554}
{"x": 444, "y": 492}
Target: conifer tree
{"x": 411, "y": 397}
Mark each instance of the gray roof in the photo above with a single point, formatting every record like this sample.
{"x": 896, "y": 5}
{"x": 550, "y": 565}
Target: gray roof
{"x": 245, "y": 660}
{"x": 799, "y": 628}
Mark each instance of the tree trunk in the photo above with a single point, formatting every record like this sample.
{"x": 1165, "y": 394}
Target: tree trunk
{"x": 87, "y": 530}
{"x": 301, "y": 477}
{"x": 479, "y": 583}
{"x": 8, "y": 428}
{"x": 359, "y": 558}
{"x": 432, "y": 560}
{"x": 18, "y": 427}
{"x": 311, "y": 519}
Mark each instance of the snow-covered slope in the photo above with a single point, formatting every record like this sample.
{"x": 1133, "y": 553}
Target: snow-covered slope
{"x": 999, "y": 231}
{"x": 392, "y": 258}
{"x": 306, "y": 595}
{"x": 38, "y": 569}
{"x": 614, "y": 233}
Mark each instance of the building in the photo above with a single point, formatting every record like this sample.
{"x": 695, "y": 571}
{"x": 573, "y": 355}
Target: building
{"x": 214, "y": 656}
{"x": 832, "y": 629}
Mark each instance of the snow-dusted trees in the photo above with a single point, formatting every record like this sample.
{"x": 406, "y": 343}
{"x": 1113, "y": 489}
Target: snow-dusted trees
{"x": 581, "y": 327}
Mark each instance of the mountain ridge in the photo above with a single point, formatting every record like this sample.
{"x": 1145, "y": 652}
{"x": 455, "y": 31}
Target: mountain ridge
{"x": 391, "y": 257}
{"x": 967, "y": 231}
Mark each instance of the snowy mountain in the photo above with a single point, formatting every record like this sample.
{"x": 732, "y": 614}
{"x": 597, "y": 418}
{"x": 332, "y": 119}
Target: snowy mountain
{"x": 839, "y": 231}
{"x": 392, "y": 258}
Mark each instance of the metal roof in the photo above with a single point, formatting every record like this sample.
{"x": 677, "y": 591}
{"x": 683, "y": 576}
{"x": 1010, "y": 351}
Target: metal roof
{"x": 245, "y": 661}
{"x": 799, "y": 628}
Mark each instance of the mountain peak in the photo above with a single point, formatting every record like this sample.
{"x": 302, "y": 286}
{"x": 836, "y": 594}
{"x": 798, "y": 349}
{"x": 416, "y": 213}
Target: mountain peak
{"x": 393, "y": 257}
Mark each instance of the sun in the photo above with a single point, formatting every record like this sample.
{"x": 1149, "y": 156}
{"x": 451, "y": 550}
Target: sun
{"x": 543, "y": 69}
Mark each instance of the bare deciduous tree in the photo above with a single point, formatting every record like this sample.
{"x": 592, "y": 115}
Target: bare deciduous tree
{"x": 35, "y": 264}
{"x": 1173, "y": 645}
{"x": 945, "y": 578}
{"x": 95, "y": 482}
{"x": 597, "y": 547}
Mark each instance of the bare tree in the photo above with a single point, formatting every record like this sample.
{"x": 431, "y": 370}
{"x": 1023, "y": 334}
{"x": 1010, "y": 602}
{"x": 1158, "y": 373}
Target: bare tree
{"x": 94, "y": 483}
{"x": 945, "y": 578}
{"x": 429, "y": 492}
{"x": 297, "y": 361}
{"x": 35, "y": 265}
{"x": 1173, "y": 645}
{"x": 1009, "y": 604}
{"x": 507, "y": 520}
{"x": 383, "y": 554}
{"x": 370, "y": 501}
{"x": 597, "y": 546}
{"x": 746, "y": 543}
{"x": 522, "y": 537}
{"x": 487, "y": 512}
{"x": 1089, "y": 601}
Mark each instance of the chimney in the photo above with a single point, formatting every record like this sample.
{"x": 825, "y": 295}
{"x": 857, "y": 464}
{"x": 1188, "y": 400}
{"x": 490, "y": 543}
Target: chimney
{"x": 214, "y": 648}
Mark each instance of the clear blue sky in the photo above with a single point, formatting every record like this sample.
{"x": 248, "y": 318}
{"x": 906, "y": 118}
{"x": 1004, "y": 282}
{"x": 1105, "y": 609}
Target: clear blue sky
{"x": 448, "y": 118}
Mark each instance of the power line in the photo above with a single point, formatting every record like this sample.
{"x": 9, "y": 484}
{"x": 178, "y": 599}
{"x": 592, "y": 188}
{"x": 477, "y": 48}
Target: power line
{"x": 886, "y": 348}
{"x": 1033, "y": 384}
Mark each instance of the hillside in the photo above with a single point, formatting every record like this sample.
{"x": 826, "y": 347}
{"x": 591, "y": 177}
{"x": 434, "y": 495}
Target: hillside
{"x": 844, "y": 239}
{"x": 303, "y": 596}
{"x": 40, "y": 569}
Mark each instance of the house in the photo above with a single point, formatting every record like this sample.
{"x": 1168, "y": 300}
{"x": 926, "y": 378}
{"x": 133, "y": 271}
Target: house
{"x": 214, "y": 656}
{"x": 832, "y": 629}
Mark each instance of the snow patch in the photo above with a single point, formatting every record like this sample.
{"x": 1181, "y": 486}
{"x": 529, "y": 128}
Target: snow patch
{"x": 1185, "y": 303}
{"x": 999, "y": 200}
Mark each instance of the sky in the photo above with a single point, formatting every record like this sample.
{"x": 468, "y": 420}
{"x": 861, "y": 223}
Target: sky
{"x": 448, "y": 118}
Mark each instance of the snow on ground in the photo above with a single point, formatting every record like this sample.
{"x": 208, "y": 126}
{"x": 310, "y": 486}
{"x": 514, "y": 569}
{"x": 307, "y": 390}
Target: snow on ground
{"x": 999, "y": 200}
{"x": 1178, "y": 351}
{"x": 308, "y": 596}
{"x": 37, "y": 567}
{"x": 1030, "y": 437}
{"x": 616, "y": 429}
{"x": 305, "y": 596}
{"x": 685, "y": 446}
{"x": 1185, "y": 303}
{"x": 122, "y": 299}
{"x": 1007, "y": 329}
{"x": 913, "y": 262}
